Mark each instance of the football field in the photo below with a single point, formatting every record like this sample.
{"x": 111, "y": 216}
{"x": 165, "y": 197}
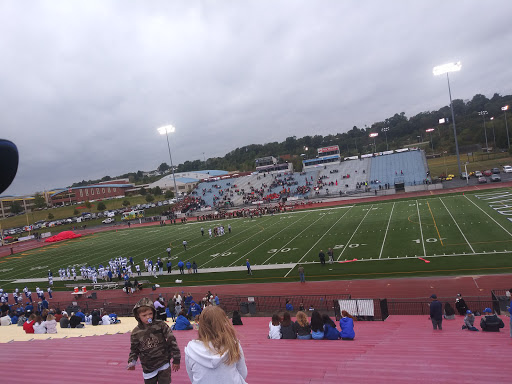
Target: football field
{"x": 452, "y": 234}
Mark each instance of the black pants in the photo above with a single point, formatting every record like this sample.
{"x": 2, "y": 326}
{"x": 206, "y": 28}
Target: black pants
{"x": 163, "y": 377}
{"x": 169, "y": 269}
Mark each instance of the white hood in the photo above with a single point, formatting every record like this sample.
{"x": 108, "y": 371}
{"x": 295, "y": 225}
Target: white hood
{"x": 204, "y": 356}
{"x": 205, "y": 366}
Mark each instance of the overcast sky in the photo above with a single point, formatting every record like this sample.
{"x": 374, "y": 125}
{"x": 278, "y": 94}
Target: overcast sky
{"x": 85, "y": 84}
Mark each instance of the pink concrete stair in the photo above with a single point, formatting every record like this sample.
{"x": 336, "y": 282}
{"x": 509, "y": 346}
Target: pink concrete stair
{"x": 403, "y": 349}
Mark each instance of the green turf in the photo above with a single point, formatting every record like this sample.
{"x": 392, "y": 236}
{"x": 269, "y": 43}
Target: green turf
{"x": 458, "y": 234}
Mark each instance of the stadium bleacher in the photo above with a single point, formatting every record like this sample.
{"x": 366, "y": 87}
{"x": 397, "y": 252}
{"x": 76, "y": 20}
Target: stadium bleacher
{"x": 409, "y": 167}
{"x": 401, "y": 349}
{"x": 333, "y": 179}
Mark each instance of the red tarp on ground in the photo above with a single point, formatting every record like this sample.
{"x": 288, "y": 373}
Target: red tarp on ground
{"x": 62, "y": 236}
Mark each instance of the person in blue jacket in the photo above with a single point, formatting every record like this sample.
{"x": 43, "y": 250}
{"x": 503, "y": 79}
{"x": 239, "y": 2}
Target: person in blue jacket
{"x": 182, "y": 323}
{"x": 194, "y": 309}
{"x": 288, "y": 306}
{"x": 347, "y": 326}
{"x": 189, "y": 267}
{"x": 330, "y": 331}
{"x": 181, "y": 264}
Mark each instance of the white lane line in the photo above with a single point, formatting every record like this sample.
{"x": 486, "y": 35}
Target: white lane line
{"x": 510, "y": 234}
{"x": 314, "y": 245}
{"x": 348, "y": 242}
{"x": 386, "y": 234}
{"x": 421, "y": 229}
{"x": 472, "y": 250}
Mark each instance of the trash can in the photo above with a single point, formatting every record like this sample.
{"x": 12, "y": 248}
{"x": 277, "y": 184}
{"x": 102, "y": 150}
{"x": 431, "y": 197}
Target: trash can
{"x": 252, "y": 308}
{"x": 244, "y": 308}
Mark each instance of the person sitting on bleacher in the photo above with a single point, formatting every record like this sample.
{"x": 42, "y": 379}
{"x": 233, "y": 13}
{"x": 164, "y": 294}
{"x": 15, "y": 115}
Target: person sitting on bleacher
{"x": 469, "y": 321}
{"x": 64, "y": 321}
{"x": 287, "y": 327}
{"x": 490, "y": 322}
{"x": 114, "y": 319}
{"x": 347, "y": 326}
{"x": 194, "y": 310}
{"x": 236, "y": 319}
{"x": 28, "y": 326}
{"x": 5, "y": 320}
{"x": 95, "y": 317}
{"x": 302, "y": 326}
{"x": 50, "y": 324}
{"x": 330, "y": 331}
{"x": 75, "y": 321}
{"x": 182, "y": 323}
{"x": 105, "y": 320}
{"x": 317, "y": 326}
{"x": 38, "y": 325}
{"x": 274, "y": 326}
{"x": 449, "y": 312}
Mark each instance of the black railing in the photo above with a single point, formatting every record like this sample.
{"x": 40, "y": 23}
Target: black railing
{"x": 403, "y": 307}
{"x": 273, "y": 304}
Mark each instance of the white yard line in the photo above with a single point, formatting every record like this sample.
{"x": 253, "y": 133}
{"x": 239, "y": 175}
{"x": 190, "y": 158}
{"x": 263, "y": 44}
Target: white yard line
{"x": 237, "y": 244}
{"x": 386, "y": 234}
{"x": 421, "y": 229}
{"x": 314, "y": 245}
{"x": 348, "y": 242}
{"x": 445, "y": 207}
{"x": 472, "y": 202}
{"x": 270, "y": 238}
{"x": 284, "y": 246}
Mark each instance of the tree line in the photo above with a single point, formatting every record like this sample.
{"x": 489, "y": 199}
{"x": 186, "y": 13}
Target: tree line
{"x": 401, "y": 131}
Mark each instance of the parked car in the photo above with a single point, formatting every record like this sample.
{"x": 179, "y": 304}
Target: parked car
{"x": 108, "y": 220}
{"x": 495, "y": 177}
{"x": 507, "y": 169}
{"x": 478, "y": 174}
{"x": 487, "y": 172}
{"x": 482, "y": 180}
{"x": 495, "y": 170}
{"x": 464, "y": 175}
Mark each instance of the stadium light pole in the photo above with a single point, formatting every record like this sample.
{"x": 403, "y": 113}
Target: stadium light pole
{"x": 493, "y": 134}
{"x": 504, "y": 109}
{"x": 430, "y": 130}
{"x": 441, "y": 70}
{"x": 483, "y": 113}
{"x": 385, "y": 130}
{"x": 165, "y": 131}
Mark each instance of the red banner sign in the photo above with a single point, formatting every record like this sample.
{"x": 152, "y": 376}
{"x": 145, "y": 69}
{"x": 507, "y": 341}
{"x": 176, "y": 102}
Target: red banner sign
{"x": 329, "y": 149}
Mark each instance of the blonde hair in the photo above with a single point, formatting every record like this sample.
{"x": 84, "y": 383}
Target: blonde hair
{"x": 216, "y": 331}
{"x": 302, "y": 319}
{"x": 50, "y": 317}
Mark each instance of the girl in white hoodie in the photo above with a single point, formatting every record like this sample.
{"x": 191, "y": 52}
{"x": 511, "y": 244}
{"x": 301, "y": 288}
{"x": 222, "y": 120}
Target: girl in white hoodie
{"x": 216, "y": 356}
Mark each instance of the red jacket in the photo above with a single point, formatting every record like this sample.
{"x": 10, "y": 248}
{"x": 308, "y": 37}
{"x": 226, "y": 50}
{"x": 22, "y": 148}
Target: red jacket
{"x": 28, "y": 327}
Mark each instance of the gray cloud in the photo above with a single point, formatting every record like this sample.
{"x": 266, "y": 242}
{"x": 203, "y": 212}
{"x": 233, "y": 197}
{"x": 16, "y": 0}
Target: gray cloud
{"x": 86, "y": 83}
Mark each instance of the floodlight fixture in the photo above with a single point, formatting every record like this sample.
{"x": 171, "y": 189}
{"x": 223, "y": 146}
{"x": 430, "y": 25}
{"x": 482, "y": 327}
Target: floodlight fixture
{"x": 429, "y": 130}
{"x": 446, "y": 68}
{"x": 374, "y": 134}
{"x": 505, "y": 108}
{"x": 385, "y": 130}
{"x": 166, "y": 129}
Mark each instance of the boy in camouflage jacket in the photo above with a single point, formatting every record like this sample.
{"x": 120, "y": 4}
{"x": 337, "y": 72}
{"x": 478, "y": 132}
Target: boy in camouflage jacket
{"x": 154, "y": 344}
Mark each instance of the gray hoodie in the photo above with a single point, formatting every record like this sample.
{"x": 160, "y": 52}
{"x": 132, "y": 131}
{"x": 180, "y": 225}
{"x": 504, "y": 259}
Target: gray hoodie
{"x": 205, "y": 366}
